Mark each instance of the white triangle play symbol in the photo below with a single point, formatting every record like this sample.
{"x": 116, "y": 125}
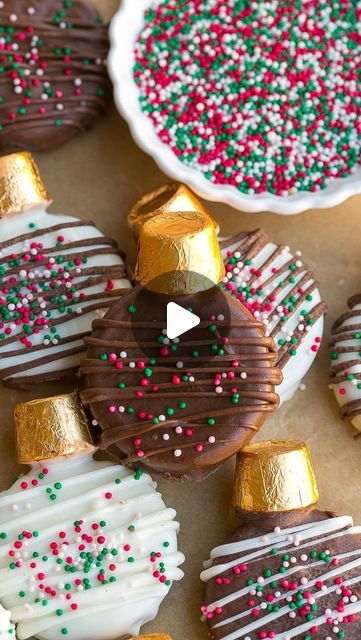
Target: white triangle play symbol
{"x": 179, "y": 320}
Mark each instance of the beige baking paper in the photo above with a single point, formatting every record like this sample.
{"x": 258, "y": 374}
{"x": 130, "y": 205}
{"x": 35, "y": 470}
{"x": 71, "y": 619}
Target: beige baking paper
{"x": 99, "y": 176}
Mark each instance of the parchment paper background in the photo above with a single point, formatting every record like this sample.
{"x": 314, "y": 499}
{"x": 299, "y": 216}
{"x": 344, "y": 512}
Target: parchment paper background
{"x": 98, "y": 176}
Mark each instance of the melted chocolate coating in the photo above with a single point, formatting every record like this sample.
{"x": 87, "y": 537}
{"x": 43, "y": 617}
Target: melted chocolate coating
{"x": 53, "y": 78}
{"x": 169, "y": 418}
{"x": 229, "y": 621}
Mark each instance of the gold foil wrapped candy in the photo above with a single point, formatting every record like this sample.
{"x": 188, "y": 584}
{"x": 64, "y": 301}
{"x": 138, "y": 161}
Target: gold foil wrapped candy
{"x": 51, "y": 427}
{"x": 21, "y": 186}
{"x": 274, "y": 477}
{"x": 178, "y": 254}
{"x": 171, "y": 198}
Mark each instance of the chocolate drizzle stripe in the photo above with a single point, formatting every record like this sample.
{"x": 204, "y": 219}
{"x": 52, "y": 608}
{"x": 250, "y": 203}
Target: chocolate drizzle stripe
{"x": 350, "y": 409}
{"x": 84, "y": 282}
{"x": 219, "y": 360}
{"x": 116, "y": 434}
{"x": 124, "y": 324}
{"x": 82, "y": 255}
{"x": 7, "y": 372}
{"x": 132, "y": 459}
{"x": 47, "y": 23}
{"x": 39, "y": 347}
{"x": 115, "y": 394}
{"x": 344, "y": 333}
{"x": 343, "y": 366}
{"x": 26, "y": 383}
{"x": 340, "y": 325}
{"x": 266, "y": 342}
{"x": 44, "y": 231}
{"x": 224, "y": 242}
{"x": 105, "y": 393}
{"x": 68, "y": 316}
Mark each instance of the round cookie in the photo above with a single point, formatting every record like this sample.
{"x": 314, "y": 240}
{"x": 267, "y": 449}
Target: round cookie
{"x": 280, "y": 290}
{"x": 290, "y": 571}
{"x": 57, "y": 274}
{"x": 7, "y": 628}
{"x": 345, "y": 355}
{"x": 181, "y": 407}
{"x": 53, "y": 75}
{"x": 80, "y": 538}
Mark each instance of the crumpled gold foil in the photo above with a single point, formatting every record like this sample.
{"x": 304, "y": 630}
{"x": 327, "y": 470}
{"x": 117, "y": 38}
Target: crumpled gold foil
{"x": 21, "y": 185}
{"x": 274, "y": 476}
{"x": 51, "y": 427}
{"x": 179, "y": 254}
{"x": 153, "y": 636}
{"x": 171, "y": 198}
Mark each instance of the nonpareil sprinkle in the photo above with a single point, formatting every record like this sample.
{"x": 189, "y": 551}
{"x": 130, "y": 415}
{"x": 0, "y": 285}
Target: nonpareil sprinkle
{"x": 262, "y": 96}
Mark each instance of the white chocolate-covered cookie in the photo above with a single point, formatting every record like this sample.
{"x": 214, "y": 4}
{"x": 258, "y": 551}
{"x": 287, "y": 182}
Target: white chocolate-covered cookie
{"x": 57, "y": 274}
{"x": 278, "y": 288}
{"x": 88, "y": 550}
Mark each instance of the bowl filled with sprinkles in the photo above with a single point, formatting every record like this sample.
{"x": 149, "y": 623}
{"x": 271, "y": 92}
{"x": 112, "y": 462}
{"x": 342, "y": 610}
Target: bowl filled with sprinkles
{"x": 250, "y": 102}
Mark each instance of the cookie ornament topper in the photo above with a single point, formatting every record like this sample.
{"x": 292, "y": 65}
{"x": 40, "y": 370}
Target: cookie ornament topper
{"x": 54, "y": 82}
{"x": 275, "y": 285}
{"x": 181, "y": 406}
{"x": 290, "y": 571}
{"x": 79, "y": 537}
{"x": 57, "y": 273}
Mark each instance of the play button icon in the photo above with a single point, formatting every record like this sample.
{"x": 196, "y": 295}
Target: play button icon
{"x": 175, "y": 330}
{"x": 179, "y": 320}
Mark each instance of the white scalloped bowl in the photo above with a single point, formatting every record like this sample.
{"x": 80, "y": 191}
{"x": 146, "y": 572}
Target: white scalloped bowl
{"x": 125, "y": 28}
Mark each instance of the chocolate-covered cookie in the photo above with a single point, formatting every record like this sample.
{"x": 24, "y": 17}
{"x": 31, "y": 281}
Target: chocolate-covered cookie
{"x": 53, "y": 77}
{"x": 179, "y": 407}
{"x": 290, "y": 571}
